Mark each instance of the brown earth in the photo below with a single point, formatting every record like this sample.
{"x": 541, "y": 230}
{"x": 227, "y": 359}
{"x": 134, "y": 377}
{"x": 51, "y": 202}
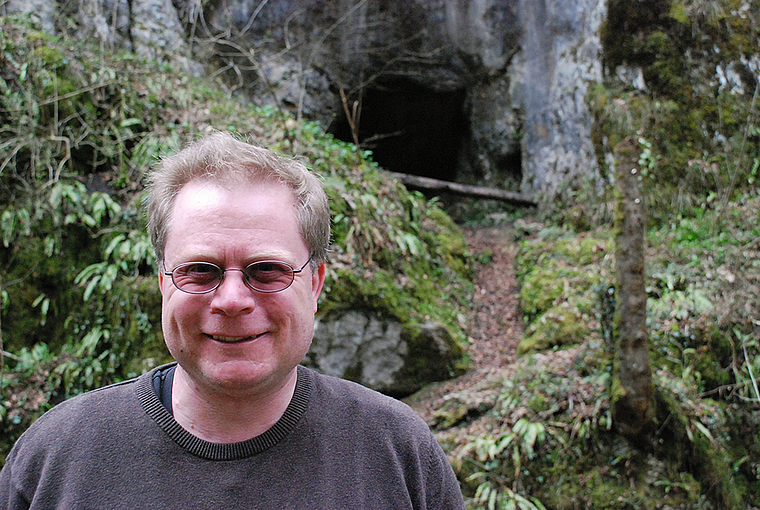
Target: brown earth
{"x": 493, "y": 327}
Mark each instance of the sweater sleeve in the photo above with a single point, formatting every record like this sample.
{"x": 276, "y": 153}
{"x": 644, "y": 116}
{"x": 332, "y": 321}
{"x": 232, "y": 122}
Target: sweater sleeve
{"x": 442, "y": 487}
{"x": 10, "y": 496}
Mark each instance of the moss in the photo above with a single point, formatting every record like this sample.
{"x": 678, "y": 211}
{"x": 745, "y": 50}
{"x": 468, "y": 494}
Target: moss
{"x": 557, "y": 296}
{"x": 51, "y": 56}
{"x": 539, "y": 290}
{"x": 696, "y": 440}
{"x": 553, "y": 329}
{"x": 538, "y": 403}
{"x": 438, "y": 355}
{"x": 30, "y": 271}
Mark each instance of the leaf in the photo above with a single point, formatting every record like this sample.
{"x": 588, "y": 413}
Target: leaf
{"x": 89, "y": 271}
{"x": 7, "y": 223}
{"x": 492, "y": 500}
{"x": 130, "y": 122}
{"x": 113, "y": 244}
{"x": 703, "y": 430}
{"x": 50, "y": 246}
{"x": 45, "y": 307}
{"x": 5, "y": 300}
{"x": 44, "y": 303}
{"x": 89, "y": 220}
{"x": 538, "y": 504}
{"x": 90, "y": 288}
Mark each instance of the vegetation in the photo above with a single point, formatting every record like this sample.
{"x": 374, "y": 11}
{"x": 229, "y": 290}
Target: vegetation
{"x": 544, "y": 435}
{"x": 697, "y": 118}
{"x": 80, "y": 302}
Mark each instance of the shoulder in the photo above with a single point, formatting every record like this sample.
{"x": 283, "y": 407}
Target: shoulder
{"x": 351, "y": 393}
{"x": 358, "y": 406}
{"x": 382, "y": 431}
{"x": 90, "y": 402}
{"x": 80, "y": 416}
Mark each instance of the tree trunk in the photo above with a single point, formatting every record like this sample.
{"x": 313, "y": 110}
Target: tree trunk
{"x": 632, "y": 408}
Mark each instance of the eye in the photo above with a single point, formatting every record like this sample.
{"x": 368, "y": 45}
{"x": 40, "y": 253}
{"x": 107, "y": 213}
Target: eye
{"x": 200, "y": 268}
{"x": 269, "y": 271}
{"x": 197, "y": 273}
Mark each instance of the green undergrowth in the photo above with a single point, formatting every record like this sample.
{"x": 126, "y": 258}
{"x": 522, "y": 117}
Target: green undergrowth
{"x": 562, "y": 276}
{"x": 543, "y": 436}
{"x": 80, "y": 305}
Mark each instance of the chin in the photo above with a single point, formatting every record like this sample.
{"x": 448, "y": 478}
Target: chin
{"x": 245, "y": 377}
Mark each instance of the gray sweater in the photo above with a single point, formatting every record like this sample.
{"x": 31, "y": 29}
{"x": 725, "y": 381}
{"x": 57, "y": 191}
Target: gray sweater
{"x": 338, "y": 446}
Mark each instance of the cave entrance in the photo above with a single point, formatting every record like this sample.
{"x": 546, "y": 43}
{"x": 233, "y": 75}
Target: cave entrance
{"x": 410, "y": 129}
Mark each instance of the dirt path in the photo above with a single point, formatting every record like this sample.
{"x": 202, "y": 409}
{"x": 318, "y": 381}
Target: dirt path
{"x": 494, "y": 326}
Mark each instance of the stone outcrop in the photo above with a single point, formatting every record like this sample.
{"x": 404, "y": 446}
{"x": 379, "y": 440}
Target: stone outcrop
{"x": 486, "y": 92}
{"x": 521, "y": 68}
{"x": 380, "y": 353}
{"x": 150, "y": 28}
{"x": 561, "y": 56}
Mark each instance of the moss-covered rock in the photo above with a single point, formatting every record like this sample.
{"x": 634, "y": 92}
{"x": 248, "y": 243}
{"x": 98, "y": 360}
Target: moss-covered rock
{"x": 558, "y": 296}
{"x": 556, "y": 328}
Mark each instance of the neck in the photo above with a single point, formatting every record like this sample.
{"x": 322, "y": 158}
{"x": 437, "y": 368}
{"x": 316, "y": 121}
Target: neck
{"x": 222, "y": 418}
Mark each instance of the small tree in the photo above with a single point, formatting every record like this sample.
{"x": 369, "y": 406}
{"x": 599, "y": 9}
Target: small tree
{"x": 632, "y": 408}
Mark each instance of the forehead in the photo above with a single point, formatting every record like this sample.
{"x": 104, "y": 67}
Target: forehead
{"x": 206, "y": 214}
{"x": 201, "y": 196}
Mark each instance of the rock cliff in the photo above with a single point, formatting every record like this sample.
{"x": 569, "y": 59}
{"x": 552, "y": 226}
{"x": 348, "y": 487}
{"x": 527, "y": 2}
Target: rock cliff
{"x": 487, "y": 92}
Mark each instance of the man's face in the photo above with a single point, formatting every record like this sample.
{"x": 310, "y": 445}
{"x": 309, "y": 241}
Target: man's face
{"x": 236, "y": 340}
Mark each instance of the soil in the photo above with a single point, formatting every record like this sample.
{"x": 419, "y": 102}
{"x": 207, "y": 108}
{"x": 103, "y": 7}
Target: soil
{"x": 494, "y": 326}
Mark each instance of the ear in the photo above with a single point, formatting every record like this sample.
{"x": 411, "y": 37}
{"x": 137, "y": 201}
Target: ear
{"x": 317, "y": 282}
{"x": 160, "y": 280}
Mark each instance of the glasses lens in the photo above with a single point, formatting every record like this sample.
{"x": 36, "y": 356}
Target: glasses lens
{"x": 269, "y": 276}
{"x": 197, "y": 277}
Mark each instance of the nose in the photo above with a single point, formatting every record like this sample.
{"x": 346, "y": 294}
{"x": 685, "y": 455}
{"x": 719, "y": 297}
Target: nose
{"x": 233, "y": 296}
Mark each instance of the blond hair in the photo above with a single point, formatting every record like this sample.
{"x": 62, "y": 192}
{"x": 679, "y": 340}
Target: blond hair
{"x": 222, "y": 159}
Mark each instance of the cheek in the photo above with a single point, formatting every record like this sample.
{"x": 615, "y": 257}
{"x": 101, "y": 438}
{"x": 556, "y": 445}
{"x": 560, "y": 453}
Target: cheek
{"x": 176, "y": 312}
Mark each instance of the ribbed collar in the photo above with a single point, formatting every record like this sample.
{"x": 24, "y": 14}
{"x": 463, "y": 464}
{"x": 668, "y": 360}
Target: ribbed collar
{"x": 225, "y": 451}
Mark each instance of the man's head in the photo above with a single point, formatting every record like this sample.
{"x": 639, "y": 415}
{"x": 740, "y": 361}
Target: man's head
{"x": 234, "y": 227}
{"x": 227, "y": 162}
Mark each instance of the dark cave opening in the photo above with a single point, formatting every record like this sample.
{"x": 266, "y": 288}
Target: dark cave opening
{"x": 409, "y": 128}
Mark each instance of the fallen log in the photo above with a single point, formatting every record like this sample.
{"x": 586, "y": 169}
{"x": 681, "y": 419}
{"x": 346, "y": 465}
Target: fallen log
{"x": 501, "y": 195}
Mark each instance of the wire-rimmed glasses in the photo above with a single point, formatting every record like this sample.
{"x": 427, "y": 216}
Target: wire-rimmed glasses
{"x": 263, "y": 276}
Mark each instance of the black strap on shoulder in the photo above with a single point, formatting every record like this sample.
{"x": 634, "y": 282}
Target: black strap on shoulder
{"x": 162, "y": 385}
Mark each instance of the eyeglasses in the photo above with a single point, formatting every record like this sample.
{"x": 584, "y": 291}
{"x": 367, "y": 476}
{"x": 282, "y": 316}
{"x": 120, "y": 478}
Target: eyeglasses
{"x": 264, "y": 276}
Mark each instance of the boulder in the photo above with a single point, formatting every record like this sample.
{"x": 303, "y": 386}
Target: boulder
{"x": 378, "y": 352}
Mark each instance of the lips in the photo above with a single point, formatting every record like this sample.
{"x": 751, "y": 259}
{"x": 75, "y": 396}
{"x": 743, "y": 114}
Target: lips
{"x": 233, "y": 339}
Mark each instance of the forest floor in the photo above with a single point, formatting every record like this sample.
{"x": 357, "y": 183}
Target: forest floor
{"x": 494, "y": 327}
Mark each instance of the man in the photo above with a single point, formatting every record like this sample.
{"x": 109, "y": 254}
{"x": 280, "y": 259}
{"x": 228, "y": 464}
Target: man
{"x": 241, "y": 237}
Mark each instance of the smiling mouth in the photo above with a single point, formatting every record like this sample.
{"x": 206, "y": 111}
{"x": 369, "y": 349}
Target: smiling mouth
{"x": 233, "y": 339}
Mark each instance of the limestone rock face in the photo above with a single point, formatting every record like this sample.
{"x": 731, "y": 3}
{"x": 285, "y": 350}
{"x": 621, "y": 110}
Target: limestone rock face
{"x": 378, "y": 352}
{"x": 150, "y": 28}
{"x": 490, "y": 92}
{"x": 40, "y": 11}
{"x": 561, "y": 57}
{"x": 522, "y": 68}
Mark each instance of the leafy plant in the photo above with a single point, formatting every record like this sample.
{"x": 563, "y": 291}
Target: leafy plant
{"x": 491, "y": 452}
